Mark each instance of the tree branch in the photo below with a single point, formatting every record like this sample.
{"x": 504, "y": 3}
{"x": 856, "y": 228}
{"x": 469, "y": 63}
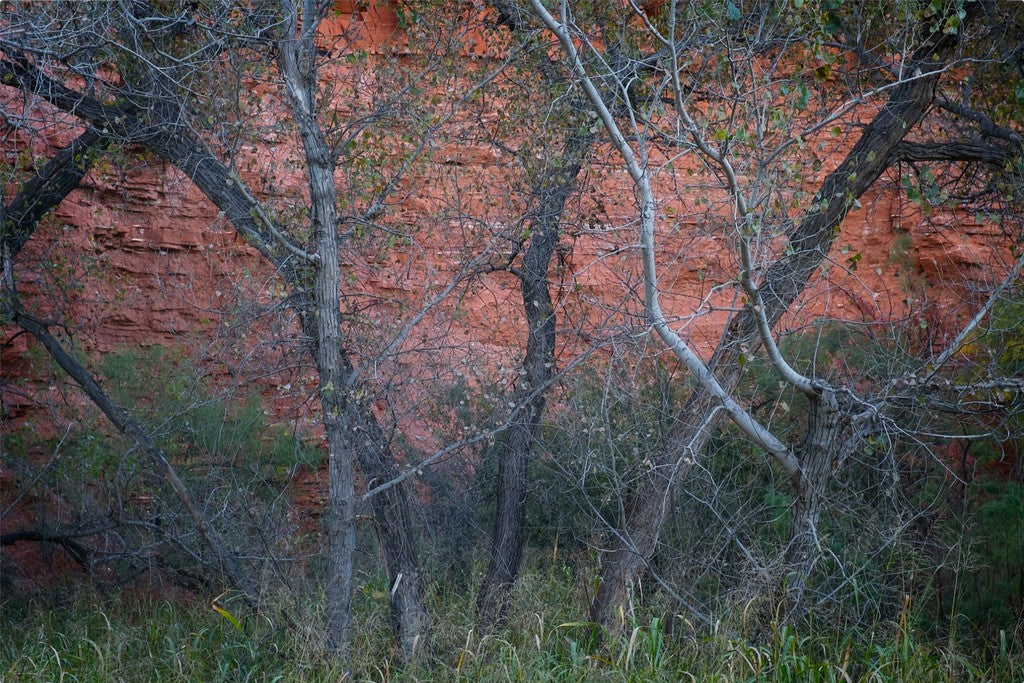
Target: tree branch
{"x": 959, "y": 151}
{"x": 48, "y": 188}
{"x": 707, "y": 380}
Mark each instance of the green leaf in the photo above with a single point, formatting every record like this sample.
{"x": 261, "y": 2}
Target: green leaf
{"x": 733, "y": 10}
{"x": 803, "y": 97}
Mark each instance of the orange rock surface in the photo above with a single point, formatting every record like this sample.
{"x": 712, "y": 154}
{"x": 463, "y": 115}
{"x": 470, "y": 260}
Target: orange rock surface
{"x": 137, "y": 256}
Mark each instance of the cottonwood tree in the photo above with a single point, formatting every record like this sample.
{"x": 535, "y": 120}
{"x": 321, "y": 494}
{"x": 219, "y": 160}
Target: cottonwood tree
{"x": 552, "y": 160}
{"x": 161, "y": 77}
{"x": 551, "y": 165}
{"x": 721, "y": 76}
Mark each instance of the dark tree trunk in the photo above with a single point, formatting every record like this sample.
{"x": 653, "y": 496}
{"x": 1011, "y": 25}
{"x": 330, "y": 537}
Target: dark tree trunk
{"x": 314, "y": 291}
{"x": 46, "y": 189}
{"x": 18, "y": 220}
{"x": 507, "y": 537}
{"x": 551, "y": 191}
{"x": 809, "y": 243}
{"x": 391, "y": 511}
{"x": 649, "y": 503}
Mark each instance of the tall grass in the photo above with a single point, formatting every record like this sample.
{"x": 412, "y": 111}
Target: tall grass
{"x": 133, "y": 637}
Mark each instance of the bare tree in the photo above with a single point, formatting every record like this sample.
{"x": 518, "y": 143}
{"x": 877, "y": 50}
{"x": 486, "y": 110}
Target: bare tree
{"x": 768, "y": 289}
{"x": 43, "y": 191}
{"x": 551, "y": 174}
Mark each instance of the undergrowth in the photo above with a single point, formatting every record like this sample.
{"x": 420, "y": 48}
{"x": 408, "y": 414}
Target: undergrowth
{"x": 134, "y": 637}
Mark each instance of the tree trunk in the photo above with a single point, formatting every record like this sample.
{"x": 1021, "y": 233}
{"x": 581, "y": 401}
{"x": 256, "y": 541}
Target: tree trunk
{"x": 322, "y": 324}
{"x": 817, "y": 455}
{"x": 649, "y": 505}
{"x": 46, "y": 189}
{"x": 352, "y": 430}
{"x": 809, "y": 243}
{"x": 510, "y": 521}
{"x": 18, "y": 220}
{"x": 407, "y": 592}
{"x": 551, "y": 190}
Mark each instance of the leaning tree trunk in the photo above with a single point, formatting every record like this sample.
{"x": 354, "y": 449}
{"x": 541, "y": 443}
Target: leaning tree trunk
{"x": 133, "y": 430}
{"x": 648, "y": 505}
{"x": 551, "y": 190}
{"x": 18, "y": 221}
{"x": 810, "y": 242}
{"x": 46, "y": 189}
{"x": 162, "y": 132}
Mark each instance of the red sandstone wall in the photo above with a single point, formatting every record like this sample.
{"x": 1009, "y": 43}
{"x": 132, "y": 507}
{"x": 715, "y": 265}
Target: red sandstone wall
{"x": 154, "y": 263}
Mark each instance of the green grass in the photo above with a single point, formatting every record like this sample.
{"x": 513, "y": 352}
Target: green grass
{"x": 131, "y": 638}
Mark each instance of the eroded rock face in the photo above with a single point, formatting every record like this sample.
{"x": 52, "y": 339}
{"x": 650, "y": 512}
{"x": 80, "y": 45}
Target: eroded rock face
{"x": 152, "y": 263}
{"x": 139, "y": 257}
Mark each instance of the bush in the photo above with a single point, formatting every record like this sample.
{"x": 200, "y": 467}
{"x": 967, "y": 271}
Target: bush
{"x": 237, "y": 466}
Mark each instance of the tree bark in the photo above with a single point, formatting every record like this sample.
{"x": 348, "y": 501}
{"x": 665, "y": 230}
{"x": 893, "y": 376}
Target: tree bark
{"x": 648, "y": 505}
{"x": 352, "y": 430}
{"x": 391, "y": 511}
{"x": 323, "y": 325}
{"x": 162, "y": 132}
{"x": 551, "y": 190}
{"x": 46, "y": 189}
{"x": 817, "y": 456}
{"x": 636, "y": 540}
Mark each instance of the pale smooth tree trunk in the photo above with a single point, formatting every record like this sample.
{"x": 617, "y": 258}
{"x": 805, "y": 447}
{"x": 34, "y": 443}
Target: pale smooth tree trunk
{"x": 635, "y": 542}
